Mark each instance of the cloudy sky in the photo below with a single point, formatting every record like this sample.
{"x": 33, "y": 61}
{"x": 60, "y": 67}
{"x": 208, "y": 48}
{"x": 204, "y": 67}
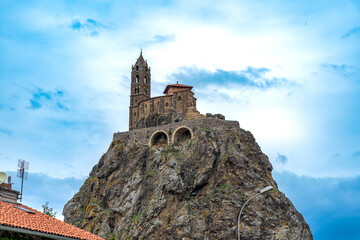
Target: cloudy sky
{"x": 288, "y": 71}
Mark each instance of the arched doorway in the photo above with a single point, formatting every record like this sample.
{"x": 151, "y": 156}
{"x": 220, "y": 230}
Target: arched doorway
{"x": 182, "y": 135}
{"x": 159, "y": 138}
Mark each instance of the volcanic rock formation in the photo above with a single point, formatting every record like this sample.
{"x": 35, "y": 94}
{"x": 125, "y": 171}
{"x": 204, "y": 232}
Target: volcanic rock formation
{"x": 188, "y": 190}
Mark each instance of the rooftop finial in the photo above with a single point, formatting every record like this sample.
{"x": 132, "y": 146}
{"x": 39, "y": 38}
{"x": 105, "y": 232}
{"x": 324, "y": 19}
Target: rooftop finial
{"x": 140, "y": 51}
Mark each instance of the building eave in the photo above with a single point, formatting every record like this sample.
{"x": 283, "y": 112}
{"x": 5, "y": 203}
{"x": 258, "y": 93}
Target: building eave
{"x": 36, "y": 233}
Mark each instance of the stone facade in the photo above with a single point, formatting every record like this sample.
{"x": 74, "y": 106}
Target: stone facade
{"x": 173, "y": 106}
{"x": 147, "y": 136}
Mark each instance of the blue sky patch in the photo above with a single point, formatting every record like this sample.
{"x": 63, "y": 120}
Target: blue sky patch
{"x": 356, "y": 154}
{"x": 6, "y": 132}
{"x": 353, "y": 31}
{"x": 157, "y": 39}
{"x": 90, "y": 25}
{"x": 48, "y": 98}
{"x": 331, "y": 206}
{"x": 281, "y": 158}
{"x": 250, "y": 77}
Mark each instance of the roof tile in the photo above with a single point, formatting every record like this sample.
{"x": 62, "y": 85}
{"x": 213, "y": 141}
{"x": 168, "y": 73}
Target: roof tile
{"x": 40, "y": 222}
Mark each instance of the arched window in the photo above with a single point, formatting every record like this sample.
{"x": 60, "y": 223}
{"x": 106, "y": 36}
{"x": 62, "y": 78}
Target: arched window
{"x": 137, "y": 78}
{"x": 145, "y": 80}
{"x": 137, "y": 90}
{"x": 145, "y": 91}
{"x": 137, "y": 68}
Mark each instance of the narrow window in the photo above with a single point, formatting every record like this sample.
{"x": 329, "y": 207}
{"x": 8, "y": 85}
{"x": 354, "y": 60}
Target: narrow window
{"x": 137, "y": 78}
{"x": 145, "y": 80}
{"x": 179, "y": 98}
{"x": 137, "y": 68}
{"x": 167, "y": 104}
{"x": 145, "y": 91}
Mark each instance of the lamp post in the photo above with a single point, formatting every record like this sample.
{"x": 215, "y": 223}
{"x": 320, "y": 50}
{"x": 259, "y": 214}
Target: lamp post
{"x": 261, "y": 192}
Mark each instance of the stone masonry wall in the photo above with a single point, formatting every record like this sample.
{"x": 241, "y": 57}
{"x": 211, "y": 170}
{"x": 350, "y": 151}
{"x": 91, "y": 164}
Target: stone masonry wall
{"x": 142, "y": 136}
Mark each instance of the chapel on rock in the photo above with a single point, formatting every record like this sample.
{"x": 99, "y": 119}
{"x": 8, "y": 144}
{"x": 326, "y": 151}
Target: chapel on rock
{"x": 177, "y": 104}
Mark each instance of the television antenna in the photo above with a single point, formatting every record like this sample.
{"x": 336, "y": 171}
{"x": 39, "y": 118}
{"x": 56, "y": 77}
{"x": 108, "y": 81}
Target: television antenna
{"x": 3, "y": 177}
{"x": 21, "y": 173}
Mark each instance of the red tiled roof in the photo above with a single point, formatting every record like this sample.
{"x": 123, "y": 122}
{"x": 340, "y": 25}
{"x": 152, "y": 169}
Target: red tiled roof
{"x": 12, "y": 216}
{"x": 184, "y": 90}
{"x": 176, "y": 85}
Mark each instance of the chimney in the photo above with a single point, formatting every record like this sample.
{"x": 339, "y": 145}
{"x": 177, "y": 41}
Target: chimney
{"x": 6, "y": 192}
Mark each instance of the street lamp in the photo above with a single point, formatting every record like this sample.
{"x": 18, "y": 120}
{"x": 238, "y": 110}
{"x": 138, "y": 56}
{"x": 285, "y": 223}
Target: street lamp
{"x": 261, "y": 192}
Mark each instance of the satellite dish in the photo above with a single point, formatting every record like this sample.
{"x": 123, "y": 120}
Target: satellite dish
{"x": 3, "y": 177}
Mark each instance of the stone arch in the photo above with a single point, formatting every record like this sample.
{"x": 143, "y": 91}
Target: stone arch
{"x": 181, "y": 135}
{"x": 159, "y": 137}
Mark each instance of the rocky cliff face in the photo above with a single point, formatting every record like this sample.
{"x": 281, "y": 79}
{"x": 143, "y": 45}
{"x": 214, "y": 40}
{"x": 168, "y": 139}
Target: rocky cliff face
{"x": 193, "y": 190}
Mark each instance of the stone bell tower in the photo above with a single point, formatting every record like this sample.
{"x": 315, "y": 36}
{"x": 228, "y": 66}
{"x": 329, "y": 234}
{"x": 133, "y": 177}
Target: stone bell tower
{"x": 140, "y": 88}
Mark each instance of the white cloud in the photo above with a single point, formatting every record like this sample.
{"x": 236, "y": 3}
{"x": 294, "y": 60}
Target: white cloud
{"x": 292, "y": 41}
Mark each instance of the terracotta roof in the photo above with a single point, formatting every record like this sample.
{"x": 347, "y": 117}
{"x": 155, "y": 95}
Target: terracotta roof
{"x": 20, "y": 216}
{"x": 184, "y": 90}
{"x": 177, "y": 86}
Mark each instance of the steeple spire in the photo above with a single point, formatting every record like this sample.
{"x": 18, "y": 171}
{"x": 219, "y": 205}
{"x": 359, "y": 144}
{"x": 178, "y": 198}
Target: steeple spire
{"x": 140, "y": 61}
{"x": 140, "y": 88}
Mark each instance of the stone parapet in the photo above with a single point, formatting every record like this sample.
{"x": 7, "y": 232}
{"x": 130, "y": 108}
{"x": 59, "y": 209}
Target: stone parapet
{"x": 142, "y": 136}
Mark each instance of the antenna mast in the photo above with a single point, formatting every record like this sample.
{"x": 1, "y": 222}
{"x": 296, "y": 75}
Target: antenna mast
{"x": 21, "y": 173}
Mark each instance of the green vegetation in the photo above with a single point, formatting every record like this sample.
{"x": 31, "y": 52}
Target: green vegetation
{"x": 190, "y": 141}
{"x": 151, "y": 172}
{"x": 136, "y": 217}
{"x": 222, "y": 189}
{"x": 48, "y": 210}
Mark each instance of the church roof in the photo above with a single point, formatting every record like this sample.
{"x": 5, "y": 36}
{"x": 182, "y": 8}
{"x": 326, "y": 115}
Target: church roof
{"x": 141, "y": 61}
{"x": 176, "y": 86}
{"x": 15, "y": 217}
